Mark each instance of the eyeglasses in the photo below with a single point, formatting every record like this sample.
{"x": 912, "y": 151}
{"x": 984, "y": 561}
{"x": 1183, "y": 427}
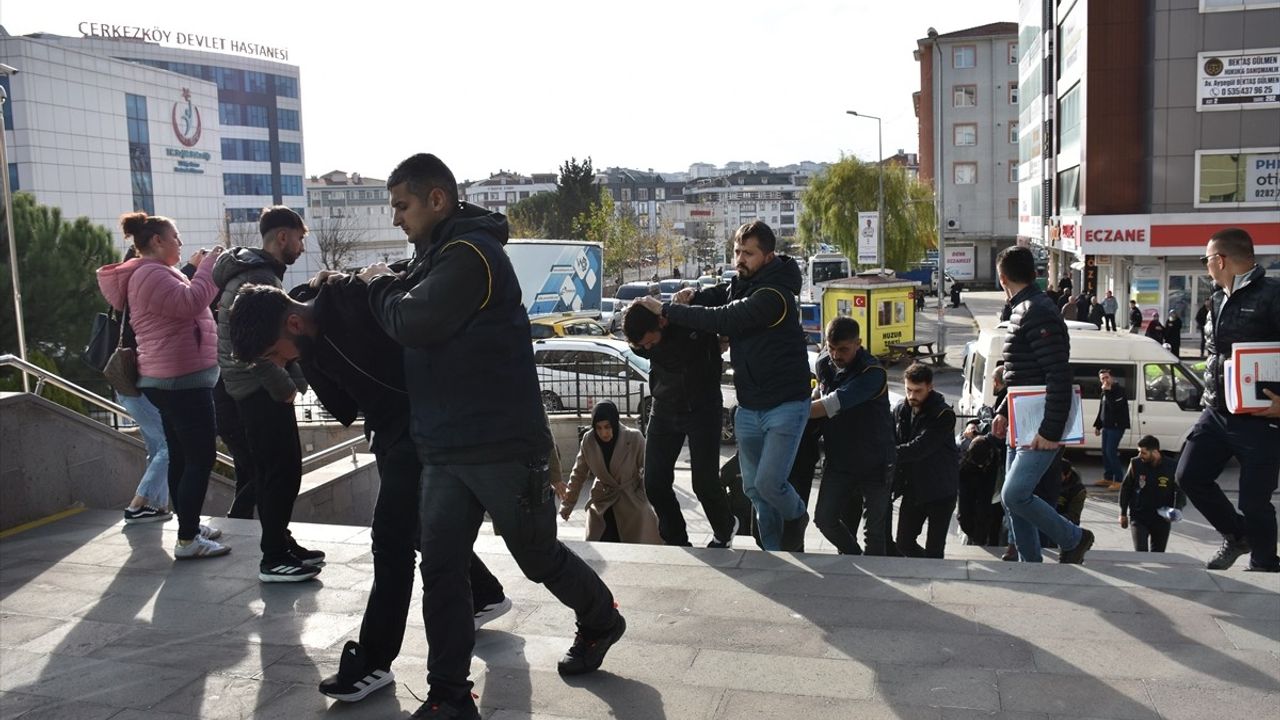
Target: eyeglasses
{"x": 1205, "y": 260}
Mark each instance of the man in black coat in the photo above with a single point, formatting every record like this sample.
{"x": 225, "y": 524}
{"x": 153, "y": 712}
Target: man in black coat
{"x": 1111, "y": 424}
{"x": 1149, "y": 486}
{"x": 1037, "y": 352}
{"x": 928, "y": 468}
{"x": 355, "y": 368}
{"x": 1202, "y": 316}
{"x": 1246, "y": 308}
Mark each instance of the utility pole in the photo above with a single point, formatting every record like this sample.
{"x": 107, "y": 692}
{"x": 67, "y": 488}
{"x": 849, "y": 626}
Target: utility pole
{"x": 880, "y": 195}
{"x": 938, "y": 184}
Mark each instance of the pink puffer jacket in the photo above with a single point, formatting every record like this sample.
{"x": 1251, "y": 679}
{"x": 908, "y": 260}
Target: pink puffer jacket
{"x": 169, "y": 314}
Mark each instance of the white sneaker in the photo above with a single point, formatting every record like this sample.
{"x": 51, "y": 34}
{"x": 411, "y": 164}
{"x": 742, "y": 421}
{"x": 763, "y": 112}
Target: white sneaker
{"x": 491, "y": 612}
{"x": 725, "y": 544}
{"x": 210, "y": 533}
{"x": 199, "y": 547}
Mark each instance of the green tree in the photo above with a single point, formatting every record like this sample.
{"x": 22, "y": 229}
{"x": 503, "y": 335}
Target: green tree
{"x": 836, "y": 196}
{"x": 617, "y": 233}
{"x": 57, "y": 261}
{"x": 576, "y": 195}
{"x": 531, "y": 217}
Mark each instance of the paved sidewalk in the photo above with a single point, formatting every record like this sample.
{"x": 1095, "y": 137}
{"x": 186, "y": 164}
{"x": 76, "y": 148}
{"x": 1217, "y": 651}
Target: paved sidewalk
{"x": 98, "y": 621}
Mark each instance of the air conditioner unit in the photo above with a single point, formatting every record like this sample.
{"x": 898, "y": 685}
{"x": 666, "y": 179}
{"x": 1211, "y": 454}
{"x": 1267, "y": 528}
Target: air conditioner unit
{"x": 953, "y": 223}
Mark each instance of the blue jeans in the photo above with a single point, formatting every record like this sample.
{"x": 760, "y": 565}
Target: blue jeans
{"x": 767, "y": 444}
{"x": 1030, "y": 515}
{"x": 154, "y": 485}
{"x": 1112, "y": 470}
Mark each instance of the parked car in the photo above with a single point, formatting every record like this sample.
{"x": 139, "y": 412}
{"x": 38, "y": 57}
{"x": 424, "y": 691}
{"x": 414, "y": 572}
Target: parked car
{"x": 707, "y": 281}
{"x": 632, "y": 290}
{"x": 576, "y": 373}
{"x": 611, "y": 313}
{"x": 669, "y": 287}
{"x": 728, "y": 275}
{"x": 552, "y": 326}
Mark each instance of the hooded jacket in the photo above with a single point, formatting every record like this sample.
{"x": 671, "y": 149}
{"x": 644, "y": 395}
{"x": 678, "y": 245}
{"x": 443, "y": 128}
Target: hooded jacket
{"x": 928, "y": 461}
{"x": 761, "y": 316}
{"x": 858, "y": 434}
{"x": 234, "y": 268}
{"x": 1037, "y": 351}
{"x": 473, "y": 386}
{"x": 684, "y": 370}
{"x": 618, "y": 484}
{"x": 351, "y": 364}
{"x": 169, "y": 314}
{"x": 1250, "y": 314}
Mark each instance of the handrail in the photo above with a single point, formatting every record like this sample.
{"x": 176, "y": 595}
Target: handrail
{"x": 93, "y": 398}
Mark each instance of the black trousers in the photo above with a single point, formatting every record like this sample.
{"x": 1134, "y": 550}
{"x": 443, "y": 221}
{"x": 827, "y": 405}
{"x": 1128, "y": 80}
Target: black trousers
{"x": 739, "y": 503}
{"x": 1110, "y": 320}
{"x": 1155, "y": 530}
{"x": 188, "y": 421}
{"x": 869, "y": 491}
{"x": 911, "y": 519}
{"x": 231, "y": 430}
{"x": 665, "y": 436}
{"x": 395, "y": 540}
{"x": 519, "y": 499}
{"x": 974, "y": 508}
{"x": 1255, "y": 443}
{"x": 276, "y": 456}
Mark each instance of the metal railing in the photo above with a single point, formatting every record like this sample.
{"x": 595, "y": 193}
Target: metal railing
{"x": 116, "y": 410}
{"x": 576, "y": 387}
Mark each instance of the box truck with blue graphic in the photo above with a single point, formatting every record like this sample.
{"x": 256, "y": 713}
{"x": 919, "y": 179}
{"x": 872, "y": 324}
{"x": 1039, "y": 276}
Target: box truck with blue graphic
{"x": 558, "y": 276}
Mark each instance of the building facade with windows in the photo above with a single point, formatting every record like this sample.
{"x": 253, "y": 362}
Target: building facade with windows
{"x": 1160, "y": 124}
{"x": 243, "y": 121}
{"x": 501, "y": 190}
{"x": 350, "y": 216}
{"x": 977, "y": 84}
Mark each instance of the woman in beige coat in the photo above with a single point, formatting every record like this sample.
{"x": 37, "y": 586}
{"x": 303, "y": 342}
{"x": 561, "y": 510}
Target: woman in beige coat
{"x": 613, "y": 454}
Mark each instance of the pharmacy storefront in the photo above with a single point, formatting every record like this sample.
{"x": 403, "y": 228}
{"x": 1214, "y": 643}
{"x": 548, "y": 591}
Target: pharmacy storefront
{"x": 1155, "y": 259}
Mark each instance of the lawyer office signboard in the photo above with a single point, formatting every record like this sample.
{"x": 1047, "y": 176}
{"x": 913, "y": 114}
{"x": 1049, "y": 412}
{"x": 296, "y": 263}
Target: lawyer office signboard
{"x": 1238, "y": 79}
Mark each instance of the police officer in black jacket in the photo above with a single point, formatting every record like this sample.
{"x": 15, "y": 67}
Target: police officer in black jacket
{"x": 928, "y": 465}
{"x": 684, "y": 375}
{"x": 1037, "y": 351}
{"x": 1149, "y": 486}
{"x": 853, "y": 394}
{"x": 355, "y": 368}
{"x": 1245, "y": 308}
{"x": 478, "y": 424}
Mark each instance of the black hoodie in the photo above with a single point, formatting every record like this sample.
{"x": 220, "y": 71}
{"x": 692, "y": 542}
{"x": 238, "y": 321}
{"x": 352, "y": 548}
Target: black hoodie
{"x": 761, "y": 316}
{"x": 928, "y": 460}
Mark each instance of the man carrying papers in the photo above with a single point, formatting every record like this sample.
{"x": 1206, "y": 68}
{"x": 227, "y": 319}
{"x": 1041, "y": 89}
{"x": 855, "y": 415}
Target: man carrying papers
{"x": 1245, "y": 308}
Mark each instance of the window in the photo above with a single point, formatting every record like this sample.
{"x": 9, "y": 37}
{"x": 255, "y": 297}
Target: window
{"x": 1167, "y": 382}
{"x": 1013, "y": 92}
{"x": 965, "y": 173}
{"x": 1242, "y": 177}
{"x": 1069, "y": 190}
{"x": 135, "y": 108}
{"x": 964, "y": 56}
{"x": 626, "y": 194}
{"x": 247, "y": 184}
{"x": 1069, "y": 121}
{"x": 1086, "y": 376}
{"x": 228, "y": 78}
{"x": 8, "y": 106}
{"x": 1013, "y": 170}
{"x": 290, "y": 152}
{"x": 290, "y": 184}
{"x": 1013, "y": 208}
{"x": 255, "y": 82}
{"x": 229, "y": 113}
{"x": 288, "y": 119}
{"x": 511, "y": 197}
{"x": 964, "y": 96}
{"x": 1013, "y": 132}
{"x": 965, "y": 134}
{"x": 1229, "y": 5}
{"x": 1013, "y": 53}
{"x": 659, "y": 193}
{"x": 642, "y": 193}
{"x": 255, "y": 116}
{"x": 13, "y": 177}
{"x": 286, "y": 86}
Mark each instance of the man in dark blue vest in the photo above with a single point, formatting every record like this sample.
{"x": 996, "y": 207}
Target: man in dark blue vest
{"x": 478, "y": 424}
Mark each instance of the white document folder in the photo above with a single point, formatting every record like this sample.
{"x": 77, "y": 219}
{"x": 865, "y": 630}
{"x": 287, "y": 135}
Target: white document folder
{"x": 1253, "y": 366}
{"x": 1026, "y": 412}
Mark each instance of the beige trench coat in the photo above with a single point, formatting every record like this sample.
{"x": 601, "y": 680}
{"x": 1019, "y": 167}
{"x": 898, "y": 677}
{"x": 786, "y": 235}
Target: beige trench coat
{"x": 619, "y": 486}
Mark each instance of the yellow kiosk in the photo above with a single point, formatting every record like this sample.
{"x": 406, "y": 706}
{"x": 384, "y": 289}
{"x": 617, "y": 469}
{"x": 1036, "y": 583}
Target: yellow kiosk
{"x": 883, "y": 306}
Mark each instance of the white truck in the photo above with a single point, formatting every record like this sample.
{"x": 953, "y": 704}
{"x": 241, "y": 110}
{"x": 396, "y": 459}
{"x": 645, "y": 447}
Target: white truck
{"x": 558, "y": 276}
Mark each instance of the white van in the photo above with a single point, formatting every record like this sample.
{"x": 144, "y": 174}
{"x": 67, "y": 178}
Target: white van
{"x": 1164, "y": 393}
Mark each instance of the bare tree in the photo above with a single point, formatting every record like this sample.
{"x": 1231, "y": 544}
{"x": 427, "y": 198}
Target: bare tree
{"x": 338, "y": 239}
{"x": 240, "y": 235}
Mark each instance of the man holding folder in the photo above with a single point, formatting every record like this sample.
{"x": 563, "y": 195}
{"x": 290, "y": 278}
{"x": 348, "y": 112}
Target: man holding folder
{"x": 1037, "y": 351}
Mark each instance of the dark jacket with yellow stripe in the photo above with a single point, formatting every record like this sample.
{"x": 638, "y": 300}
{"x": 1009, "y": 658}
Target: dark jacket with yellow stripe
{"x": 761, "y": 316}
{"x": 858, "y": 436}
{"x": 473, "y": 386}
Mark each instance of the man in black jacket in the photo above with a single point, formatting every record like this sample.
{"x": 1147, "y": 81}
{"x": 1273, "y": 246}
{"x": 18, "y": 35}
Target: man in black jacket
{"x": 760, "y": 314}
{"x": 1149, "y": 486}
{"x": 853, "y": 394}
{"x": 477, "y": 421}
{"x": 928, "y": 466}
{"x": 1245, "y": 308}
{"x": 684, "y": 374}
{"x": 1037, "y": 351}
{"x": 354, "y": 368}
{"x": 1111, "y": 424}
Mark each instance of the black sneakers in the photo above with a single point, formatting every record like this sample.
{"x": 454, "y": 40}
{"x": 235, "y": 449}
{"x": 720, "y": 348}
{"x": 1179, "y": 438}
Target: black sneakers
{"x": 793, "y": 533}
{"x": 305, "y": 556}
{"x": 354, "y": 680}
{"x": 718, "y": 544}
{"x": 589, "y": 649}
{"x": 288, "y": 569}
{"x": 1232, "y": 548}
{"x": 145, "y": 514}
{"x": 439, "y": 708}
{"x": 1075, "y": 556}
{"x": 486, "y": 614}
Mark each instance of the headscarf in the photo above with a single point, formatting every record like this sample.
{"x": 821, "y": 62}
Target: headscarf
{"x": 606, "y": 410}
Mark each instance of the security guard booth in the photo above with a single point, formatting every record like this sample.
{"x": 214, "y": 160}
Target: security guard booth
{"x": 883, "y": 306}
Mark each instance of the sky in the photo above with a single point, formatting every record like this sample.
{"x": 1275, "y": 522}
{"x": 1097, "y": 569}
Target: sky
{"x": 522, "y": 85}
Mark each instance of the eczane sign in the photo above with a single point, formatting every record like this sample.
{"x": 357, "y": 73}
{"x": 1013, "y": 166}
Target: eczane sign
{"x": 1116, "y": 234}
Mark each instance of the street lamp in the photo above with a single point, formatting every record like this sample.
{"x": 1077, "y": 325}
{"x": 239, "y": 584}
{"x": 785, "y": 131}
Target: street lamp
{"x": 8, "y": 71}
{"x": 880, "y": 196}
{"x": 938, "y": 184}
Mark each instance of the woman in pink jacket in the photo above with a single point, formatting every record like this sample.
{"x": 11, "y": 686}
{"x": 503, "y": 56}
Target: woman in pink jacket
{"x": 177, "y": 362}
